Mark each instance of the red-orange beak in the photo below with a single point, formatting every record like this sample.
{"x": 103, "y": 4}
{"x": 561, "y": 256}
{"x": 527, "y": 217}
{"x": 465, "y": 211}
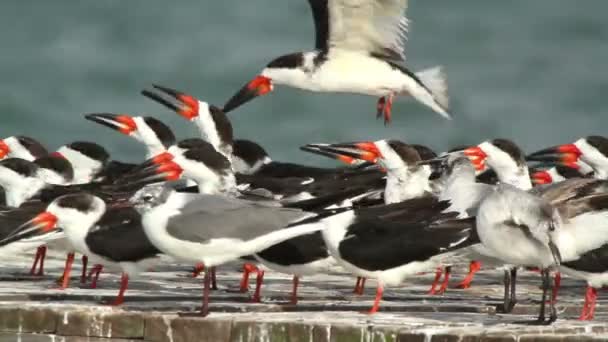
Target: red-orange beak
{"x": 39, "y": 225}
{"x": 120, "y": 122}
{"x": 183, "y": 104}
{"x": 313, "y": 148}
{"x": 477, "y": 157}
{"x": 541, "y": 177}
{"x": 4, "y": 149}
{"x": 367, "y": 151}
{"x": 260, "y": 85}
{"x": 566, "y": 155}
{"x": 157, "y": 169}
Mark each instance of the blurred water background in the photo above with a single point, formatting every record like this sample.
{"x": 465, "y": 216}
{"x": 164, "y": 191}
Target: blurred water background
{"x": 533, "y": 71}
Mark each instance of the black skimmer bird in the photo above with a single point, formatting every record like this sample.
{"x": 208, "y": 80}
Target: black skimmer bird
{"x": 519, "y": 228}
{"x": 247, "y": 157}
{"x": 111, "y": 236}
{"x": 154, "y": 134}
{"x": 211, "y": 122}
{"x": 554, "y": 174}
{"x": 23, "y": 147}
{"x": 358, "y": 49}
{"x": 405, "y": 177}
{"x": 392, "y": 242}
{"x": 593, "y": 268}
{"x": 505, "y": 158}
{"x": 591, "y": 151}
{"x": 87, "y": 158}
{"x": 215, "y": 229}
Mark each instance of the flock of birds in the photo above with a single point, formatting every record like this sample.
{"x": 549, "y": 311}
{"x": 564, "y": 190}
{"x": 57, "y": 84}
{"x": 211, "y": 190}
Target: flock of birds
{"x": 394, "y": 211}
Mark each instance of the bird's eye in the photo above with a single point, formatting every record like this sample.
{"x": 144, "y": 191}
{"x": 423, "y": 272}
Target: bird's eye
{"x": 148, "y": 198}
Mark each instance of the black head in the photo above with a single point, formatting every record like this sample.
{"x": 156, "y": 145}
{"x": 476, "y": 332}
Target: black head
{"x": 32, "y": 145}
{"x": 600, "y": 143}
{"x": 510, "y": 148}
{"x": 162, "y": 131}
{"x": 82, "y": 202}
{"x": 211, "y": 158}
{"x": 424, "y": 152}
{"x": 290, "y": 61}
{"x": 91, "y": 150}
{"x": 408, "y": 154}
{"x": 222, "y": 124}
{"x": 248, "y": 151}
{"x": 57, "y": 164}
{"x": 23, "y": 167}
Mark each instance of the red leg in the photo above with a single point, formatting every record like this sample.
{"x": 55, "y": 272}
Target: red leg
{"x": 379, "y": 291}
{"x": 380, "y": 107}
{"x": 557, "y": 283}
{"x": 446, "y": 279}
{"x": 206, "y": 282}
{"x": 357, "y": 284}
{"x": 83, "y": 276}
{"x": 198, "y": 268}
{"x": 438, "y": 274}
{"x": 585, "y": 314}
{"x": 66, "y": 271}
{"x": 213, "y": 278}
{"x": 247, "y": 269}
{"x": 96, "y": 269}
{"x": 592, "y": 304}
{"x": 42, "y": 257}
{"x": 474, "y": 266}
{"x": 36, "y": 258}
{"x": 258, "y": 286}
{"x": 388, "y": 109}
{"x": 124, "y": 282}
{"x": 294, "y": 290}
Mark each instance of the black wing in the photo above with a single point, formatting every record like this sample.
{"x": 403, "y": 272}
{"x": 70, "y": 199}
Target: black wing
{"x": 120, "y": 237}
{"x": 300, "y": 250}
{"x": 320, "y": 14}
{"x": 595, "y": 261}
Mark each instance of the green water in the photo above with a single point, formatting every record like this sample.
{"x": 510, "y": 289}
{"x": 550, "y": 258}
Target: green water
{"x": 534, "y": 71}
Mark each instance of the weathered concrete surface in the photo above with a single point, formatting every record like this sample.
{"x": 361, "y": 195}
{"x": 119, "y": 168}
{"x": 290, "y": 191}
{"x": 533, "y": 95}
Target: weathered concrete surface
{"x": 32, "y": 309}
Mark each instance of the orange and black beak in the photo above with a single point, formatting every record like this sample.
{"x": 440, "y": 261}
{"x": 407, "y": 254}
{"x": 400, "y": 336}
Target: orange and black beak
{"x": 318, "y": 149}
{"x": 41, "y": 224}
{"x": 566, "y": 155}
{"x": 179, "y": 102}
{"x": 4, "y": 149}
{"x": 157, "y": 169}
{"x": 541, "y": 177}
{"x": 366, "y": 151}
{"x": 477, "y": 157}
{"x": 120, "y": 122}
{"x": 261, "y": 85}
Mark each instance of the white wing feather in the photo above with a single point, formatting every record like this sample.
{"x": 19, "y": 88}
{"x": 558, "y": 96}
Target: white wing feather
{"x": 375, "y": 26}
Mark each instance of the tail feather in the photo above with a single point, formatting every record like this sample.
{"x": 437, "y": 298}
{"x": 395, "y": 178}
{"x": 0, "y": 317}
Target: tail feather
{"x": 435, "y": 80}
